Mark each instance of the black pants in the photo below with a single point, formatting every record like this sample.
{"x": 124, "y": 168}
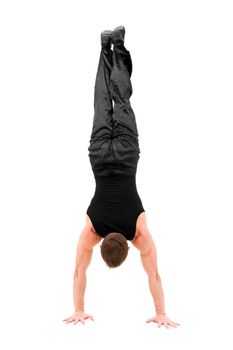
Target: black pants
{"x": 114, "y": 146}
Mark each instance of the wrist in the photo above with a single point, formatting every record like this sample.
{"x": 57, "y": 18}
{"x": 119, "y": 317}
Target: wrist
{"x": 160, "y": 314}
{"x": 159, "y": 310}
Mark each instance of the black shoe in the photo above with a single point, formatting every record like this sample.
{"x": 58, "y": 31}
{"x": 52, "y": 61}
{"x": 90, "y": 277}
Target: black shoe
{"x": 106, "y": 39}
{"x": 118, "y": 35}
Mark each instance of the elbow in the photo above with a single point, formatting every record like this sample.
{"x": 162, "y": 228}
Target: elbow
{"x": 79, "y": 272}
{"x": 154, "y": 274}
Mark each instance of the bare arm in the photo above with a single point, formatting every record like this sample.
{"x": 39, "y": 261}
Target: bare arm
{"x": 146, "y": 245}
{"x": 86, "y": 242}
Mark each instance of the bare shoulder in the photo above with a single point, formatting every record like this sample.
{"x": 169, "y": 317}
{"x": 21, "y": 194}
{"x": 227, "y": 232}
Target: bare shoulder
{"x": 142, "y": 219}
{"x": 88, "y": 238}
{"x": 90, "y": 233}
{"x": 143, "y": 239}
{"x": 140, "y": 224}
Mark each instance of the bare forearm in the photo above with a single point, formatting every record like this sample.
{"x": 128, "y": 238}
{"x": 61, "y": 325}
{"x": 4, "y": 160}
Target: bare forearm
{"x": 79, "y": 286}
{"x": 157, "y": 293}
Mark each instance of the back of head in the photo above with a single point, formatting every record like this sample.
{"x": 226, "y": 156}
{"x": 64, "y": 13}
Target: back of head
{"x": 114, "y": 249}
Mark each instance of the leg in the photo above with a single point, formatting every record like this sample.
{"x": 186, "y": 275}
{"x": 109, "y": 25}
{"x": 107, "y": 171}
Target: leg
{"x": 114, "y": 147}
{"x": 103, "y": 109}
{"x": 121, "y": 89}
{"x": 126, "y": 148}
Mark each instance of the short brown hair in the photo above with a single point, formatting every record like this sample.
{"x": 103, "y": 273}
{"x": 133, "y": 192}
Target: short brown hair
{"x": 114, "y": 249}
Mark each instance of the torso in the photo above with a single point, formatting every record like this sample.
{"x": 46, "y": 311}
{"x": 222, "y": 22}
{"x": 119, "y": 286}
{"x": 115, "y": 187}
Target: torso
{"x": 141, "y": 221}
{"x": 116, "y": 206}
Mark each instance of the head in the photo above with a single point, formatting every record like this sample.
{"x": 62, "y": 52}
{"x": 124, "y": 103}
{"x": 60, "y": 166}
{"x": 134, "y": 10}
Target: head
{"x": 114, "y": 249}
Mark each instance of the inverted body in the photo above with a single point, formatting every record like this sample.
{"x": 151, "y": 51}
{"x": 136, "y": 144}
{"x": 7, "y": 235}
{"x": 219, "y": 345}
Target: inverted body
{"x": 114, "y": 147}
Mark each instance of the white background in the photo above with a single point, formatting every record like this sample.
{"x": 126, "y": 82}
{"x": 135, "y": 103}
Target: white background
{"x": 182, "y": 81}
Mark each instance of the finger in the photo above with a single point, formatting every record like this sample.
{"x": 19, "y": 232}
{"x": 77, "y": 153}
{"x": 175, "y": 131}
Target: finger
{"x": 174, "y": 322}
{"x": 159, "y": 324}
{"x": 80, "y": 320}
{"x": 172, "y": 325}
{"x": 89, "y": 316}
{"x": 66, "y": 319}
{"x": 165, "y": 324}
{"x": 149, "y": 320}
{"x": 71, "y": 320}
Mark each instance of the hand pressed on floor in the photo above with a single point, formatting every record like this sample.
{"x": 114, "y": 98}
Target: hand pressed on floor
{"x": 163, "y": 320}
{"x": 78, "y": 316}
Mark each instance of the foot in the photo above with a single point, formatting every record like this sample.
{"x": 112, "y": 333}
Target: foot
{"x": 106, "y": 39}
{"x": 118, "y": 35}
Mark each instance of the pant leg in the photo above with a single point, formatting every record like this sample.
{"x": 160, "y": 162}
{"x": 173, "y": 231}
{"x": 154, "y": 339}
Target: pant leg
{"x": 126, "y": 138}
{"x": 103, "y": 110}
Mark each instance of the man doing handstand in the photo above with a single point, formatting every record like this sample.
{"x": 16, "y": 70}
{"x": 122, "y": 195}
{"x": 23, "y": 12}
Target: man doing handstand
{"x": 115, "y": 213}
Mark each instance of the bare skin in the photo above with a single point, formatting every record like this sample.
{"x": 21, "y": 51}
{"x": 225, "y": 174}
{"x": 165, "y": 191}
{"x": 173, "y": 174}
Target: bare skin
{"x": 143, "y": 241}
